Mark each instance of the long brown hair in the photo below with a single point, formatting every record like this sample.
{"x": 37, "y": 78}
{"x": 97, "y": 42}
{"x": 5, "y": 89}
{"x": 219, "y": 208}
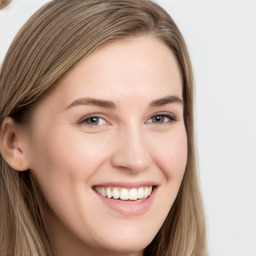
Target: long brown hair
{"x": 49, "y": 45}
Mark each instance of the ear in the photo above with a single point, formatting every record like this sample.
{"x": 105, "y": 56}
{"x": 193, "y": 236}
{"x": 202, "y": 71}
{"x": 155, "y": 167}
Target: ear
{"x": 12, "y": 139}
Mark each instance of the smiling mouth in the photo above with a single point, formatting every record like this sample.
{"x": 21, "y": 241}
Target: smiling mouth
{"x": 125, "y": 194}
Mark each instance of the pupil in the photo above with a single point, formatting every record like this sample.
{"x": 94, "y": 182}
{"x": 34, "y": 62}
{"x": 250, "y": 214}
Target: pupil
{"x": 93, "y": 120}
{"x": 158, "y": 118}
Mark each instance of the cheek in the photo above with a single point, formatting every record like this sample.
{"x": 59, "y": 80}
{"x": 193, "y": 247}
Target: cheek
{"x": 66, "y": 153}
{"x": 172, "y": 155}
{"x": 171, "y": 159}
{"x": 64, "y": 167}
{"x": 179, "y": 153}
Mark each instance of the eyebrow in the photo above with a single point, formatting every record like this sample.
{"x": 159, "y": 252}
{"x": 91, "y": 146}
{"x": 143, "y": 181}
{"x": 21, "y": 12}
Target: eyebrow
{"x": 111, "y": 105}
{"x": 166, "y": 100}
{"x": 91, "y": 101}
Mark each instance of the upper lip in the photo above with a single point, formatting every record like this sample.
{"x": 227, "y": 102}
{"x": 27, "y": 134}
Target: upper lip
{"x": 127, "y": 184}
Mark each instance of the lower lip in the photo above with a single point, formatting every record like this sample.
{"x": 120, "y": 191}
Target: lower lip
{"x": 129, "y": 207}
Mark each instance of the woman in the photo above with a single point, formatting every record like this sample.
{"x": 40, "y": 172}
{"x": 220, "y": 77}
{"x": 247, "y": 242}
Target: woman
{"x": 97, "y": 147}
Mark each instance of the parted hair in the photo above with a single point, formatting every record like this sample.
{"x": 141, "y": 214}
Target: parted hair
{"x": 51, "y": 43}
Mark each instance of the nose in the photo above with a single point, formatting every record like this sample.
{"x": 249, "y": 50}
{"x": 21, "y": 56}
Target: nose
{"x": 132, "y": 151}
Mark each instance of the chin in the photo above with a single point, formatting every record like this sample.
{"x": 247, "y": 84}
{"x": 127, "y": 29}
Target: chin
{"x": 123, "y": 244}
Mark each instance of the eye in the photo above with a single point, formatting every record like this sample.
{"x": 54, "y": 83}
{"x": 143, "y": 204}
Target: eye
{"x": 93, "y": 121}
{"x": 161, "y": 118}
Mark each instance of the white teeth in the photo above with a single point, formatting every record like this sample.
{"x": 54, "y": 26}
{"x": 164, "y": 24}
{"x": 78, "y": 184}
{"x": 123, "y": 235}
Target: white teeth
{"x": 115, "y": 193}
{"x": 140, "y": 193}
{"x": 133, "y": 194}
{"x": 109, "y": 193}
{"x": 98, "y": 189}
{"x": 103, "y": 192}
{"x": 150, "y": 190}
{"x": 146, "y": 192}
{"x": 125, "y": 193}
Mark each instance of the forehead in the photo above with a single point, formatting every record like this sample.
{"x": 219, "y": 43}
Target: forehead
{"x": 139, "y": 69}
{"x": 131, "y": 63}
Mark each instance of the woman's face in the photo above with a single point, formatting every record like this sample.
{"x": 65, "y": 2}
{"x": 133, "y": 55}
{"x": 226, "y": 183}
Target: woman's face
{"x": 109, "y": 148}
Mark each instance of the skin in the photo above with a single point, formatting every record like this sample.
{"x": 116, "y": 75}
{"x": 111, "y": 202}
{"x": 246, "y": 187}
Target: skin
{"x": 133, "y": 142}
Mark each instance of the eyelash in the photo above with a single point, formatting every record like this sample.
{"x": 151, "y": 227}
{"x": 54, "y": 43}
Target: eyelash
{"x": 168, "y": 118}
{"x": 87, "y": 118}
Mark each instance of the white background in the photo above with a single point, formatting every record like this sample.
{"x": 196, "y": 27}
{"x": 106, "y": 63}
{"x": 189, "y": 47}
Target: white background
{"x": 221, "y": 37}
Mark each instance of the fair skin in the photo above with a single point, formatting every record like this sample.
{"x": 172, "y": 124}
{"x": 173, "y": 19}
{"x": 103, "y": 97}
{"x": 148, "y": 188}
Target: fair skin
{"x": 114, "y": 123}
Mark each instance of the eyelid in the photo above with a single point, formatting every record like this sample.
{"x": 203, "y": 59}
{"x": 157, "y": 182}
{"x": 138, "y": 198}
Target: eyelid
{"x": 171, "y": 116}
{"x": 83, "y": 119}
